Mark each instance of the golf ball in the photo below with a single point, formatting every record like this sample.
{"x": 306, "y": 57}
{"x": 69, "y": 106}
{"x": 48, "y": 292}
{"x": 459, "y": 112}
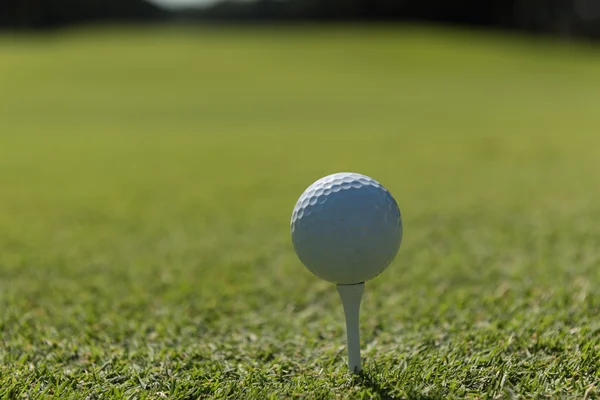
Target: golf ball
{"x": 346, "y": 228}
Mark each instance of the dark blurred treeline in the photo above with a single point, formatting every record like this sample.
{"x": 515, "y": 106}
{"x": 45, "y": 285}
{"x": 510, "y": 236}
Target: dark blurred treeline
{"x": 571, "y": 18}
{"x": 45, "y": 14}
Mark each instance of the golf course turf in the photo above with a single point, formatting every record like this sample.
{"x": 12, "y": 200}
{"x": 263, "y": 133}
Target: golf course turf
{"x": 147, "y": 180}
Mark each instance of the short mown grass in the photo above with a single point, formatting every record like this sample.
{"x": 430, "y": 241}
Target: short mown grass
{"x": 147, "y": 179}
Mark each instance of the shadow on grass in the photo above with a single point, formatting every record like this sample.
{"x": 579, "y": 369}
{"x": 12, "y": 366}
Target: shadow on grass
{"x": 366, "y": 381}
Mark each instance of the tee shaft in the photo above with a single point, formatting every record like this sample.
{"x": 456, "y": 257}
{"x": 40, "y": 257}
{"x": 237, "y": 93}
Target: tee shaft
{"x": 351, "y": 296}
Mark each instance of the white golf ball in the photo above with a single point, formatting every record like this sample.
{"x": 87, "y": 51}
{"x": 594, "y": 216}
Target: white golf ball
{"x": 346, "y": 228}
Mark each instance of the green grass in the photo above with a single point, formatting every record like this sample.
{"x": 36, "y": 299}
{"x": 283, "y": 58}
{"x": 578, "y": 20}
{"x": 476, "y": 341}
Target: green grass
{"x": 147, "y": 179}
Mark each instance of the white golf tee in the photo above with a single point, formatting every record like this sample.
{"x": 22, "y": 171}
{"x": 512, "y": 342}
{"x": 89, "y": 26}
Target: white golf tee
{"x": 351, "y": 296}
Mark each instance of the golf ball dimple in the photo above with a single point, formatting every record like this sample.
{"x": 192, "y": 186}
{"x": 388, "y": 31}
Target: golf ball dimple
{"x": 346, "y": 228}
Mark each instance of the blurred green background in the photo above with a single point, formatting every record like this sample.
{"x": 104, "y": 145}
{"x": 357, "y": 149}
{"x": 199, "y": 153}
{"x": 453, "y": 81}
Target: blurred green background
{"x": 148, "y": 174}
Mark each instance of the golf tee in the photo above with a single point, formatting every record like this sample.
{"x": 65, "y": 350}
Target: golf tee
{"x": 351, "y": 296}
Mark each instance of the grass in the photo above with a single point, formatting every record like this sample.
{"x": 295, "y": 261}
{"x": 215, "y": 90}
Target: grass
{"x": 147, "y": 179}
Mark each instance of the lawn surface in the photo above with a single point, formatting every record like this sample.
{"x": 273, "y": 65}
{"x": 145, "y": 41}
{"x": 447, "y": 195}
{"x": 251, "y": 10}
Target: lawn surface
{"x": 147, "y": 179}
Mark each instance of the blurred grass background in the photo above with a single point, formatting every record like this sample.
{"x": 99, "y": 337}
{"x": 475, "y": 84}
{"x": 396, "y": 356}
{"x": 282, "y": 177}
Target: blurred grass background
{"x": 147, "y": 178}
